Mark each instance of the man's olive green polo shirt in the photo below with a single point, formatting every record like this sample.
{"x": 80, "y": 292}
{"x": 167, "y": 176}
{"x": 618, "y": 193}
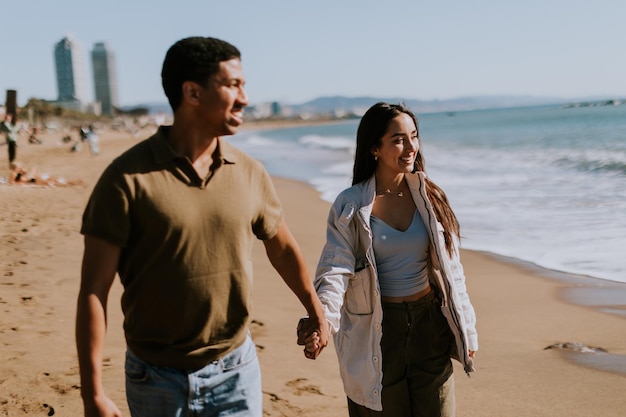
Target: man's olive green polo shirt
{"x": 186, "y": 247}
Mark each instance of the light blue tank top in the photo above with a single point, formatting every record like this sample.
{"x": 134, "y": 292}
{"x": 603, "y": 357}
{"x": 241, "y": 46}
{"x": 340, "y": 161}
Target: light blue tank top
{"x": 401, "y": 257}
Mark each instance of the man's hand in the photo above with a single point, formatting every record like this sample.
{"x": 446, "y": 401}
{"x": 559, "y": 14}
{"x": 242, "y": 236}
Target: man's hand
{"x": 101, "y": 407}
{"x": 314, "y": 338}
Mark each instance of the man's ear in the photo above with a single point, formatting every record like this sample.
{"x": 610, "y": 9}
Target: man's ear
{"x": 191, "y": 91}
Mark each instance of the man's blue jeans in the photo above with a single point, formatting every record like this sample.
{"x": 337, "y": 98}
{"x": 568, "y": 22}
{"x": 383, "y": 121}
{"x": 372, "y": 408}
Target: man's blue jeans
{"x": 230, "y": 386}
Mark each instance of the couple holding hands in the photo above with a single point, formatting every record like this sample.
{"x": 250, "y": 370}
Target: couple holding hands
{"x": 175, "y": 217}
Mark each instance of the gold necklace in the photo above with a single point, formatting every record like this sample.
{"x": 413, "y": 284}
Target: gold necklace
{"x": 388, "y": 191}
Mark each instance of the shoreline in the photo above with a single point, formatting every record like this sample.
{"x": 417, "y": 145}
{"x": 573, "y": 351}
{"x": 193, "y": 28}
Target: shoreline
{"x": 521, "y": 310}
{"x": 597, "y": 294}
{"x": 601, "y": 294}
{"x": 613, "y": 276}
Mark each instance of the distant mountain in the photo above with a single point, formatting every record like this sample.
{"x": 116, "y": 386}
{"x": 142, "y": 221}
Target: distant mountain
{"x": 358, "y": 105}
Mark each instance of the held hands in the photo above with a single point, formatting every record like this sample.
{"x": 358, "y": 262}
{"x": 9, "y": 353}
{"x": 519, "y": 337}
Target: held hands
{"x": 313, "y": 336}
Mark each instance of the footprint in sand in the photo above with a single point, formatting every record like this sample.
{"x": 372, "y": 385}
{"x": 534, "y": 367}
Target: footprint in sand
{"x": 256, "y": 325}
{"x": 50, "y": 409}
{"x": 257, "y": 329}
{"x": 275, "y": 405}
{"x": 301, "y": 387}
{"x": 58, "y": 384}
{"x": 278, "y": 406}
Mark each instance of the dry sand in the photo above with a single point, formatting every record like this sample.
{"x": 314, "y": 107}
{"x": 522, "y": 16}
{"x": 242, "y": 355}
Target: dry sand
{"x": 520, "y": 311}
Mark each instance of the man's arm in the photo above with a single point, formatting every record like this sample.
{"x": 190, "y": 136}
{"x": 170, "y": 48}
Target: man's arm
{"x": 284, "y": 254}
{"x": 99, "y": 267}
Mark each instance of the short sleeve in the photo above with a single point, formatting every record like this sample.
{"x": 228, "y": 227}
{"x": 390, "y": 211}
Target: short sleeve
{"x": 107, "y": 215}
{"x": 270, "y": 212}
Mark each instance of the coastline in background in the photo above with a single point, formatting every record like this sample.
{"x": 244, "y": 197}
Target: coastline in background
{"x": 520, "y": 313}
{"x": 546, "y": 185}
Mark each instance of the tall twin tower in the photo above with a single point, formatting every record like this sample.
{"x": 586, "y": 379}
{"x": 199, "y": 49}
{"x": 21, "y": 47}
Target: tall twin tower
{"x": 71, "y": 76}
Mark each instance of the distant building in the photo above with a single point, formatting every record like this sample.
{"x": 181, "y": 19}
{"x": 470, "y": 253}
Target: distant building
{"x": 267, "y": 110}
{"x": 276, "y": 108}
{"x": 71, "y": 74}
{"x": 104, "y": 77}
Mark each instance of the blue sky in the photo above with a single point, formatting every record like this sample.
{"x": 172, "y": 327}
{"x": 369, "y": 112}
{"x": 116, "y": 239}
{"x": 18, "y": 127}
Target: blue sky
{"x": 295, "y": 51}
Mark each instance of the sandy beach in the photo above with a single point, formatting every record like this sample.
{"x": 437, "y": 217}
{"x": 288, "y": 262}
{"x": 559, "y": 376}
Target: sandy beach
{"x": 521, "y": 310}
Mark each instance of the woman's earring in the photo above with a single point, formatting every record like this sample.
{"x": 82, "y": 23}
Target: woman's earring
{"x": 375, "y": 158}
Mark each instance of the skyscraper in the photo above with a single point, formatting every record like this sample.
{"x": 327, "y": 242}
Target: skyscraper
{"x": 104, "y": 77}
{"x": 71, "y": 75}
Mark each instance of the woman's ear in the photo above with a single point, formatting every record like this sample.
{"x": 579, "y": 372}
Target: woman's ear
{"x": 374, "y": 152}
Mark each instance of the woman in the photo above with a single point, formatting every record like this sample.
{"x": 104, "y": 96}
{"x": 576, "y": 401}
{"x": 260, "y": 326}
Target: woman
{"x": 391, "y": 280}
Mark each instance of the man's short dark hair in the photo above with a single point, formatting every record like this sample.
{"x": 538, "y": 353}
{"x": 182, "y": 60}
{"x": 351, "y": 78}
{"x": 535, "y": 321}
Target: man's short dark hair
{"x": 193, "y": 59}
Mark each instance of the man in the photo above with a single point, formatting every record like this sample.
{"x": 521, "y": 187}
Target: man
{"x": 10, "y": 129}
{"x": 176, "y": 216}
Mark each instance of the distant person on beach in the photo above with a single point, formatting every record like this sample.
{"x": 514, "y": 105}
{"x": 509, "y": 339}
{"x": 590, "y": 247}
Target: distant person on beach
{"x": 93, "y": 140}
{"x": 22, "y": 176}
{"x": 176, "y": 216}
{"x": 77, "y": 145}
{"x": 391, "y": 279}
{"x": 11, "y": 131}
{"x": 87, "y": 134}
{"x": 32, "y": 138}
{"x": 83, "y": 133}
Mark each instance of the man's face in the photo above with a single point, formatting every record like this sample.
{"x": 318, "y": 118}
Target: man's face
{"x": 223, "y": 99}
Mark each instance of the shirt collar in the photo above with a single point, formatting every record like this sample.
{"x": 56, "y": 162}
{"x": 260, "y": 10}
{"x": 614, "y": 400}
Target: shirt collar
{"x": 163, "y": 152}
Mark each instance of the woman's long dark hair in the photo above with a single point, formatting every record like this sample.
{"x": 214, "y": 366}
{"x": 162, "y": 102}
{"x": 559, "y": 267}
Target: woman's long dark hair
{"x": 372, "y": 128}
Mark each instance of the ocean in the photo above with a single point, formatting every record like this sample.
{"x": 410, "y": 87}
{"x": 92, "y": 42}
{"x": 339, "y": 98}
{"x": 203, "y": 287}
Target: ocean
{"x": 545, "y": 185}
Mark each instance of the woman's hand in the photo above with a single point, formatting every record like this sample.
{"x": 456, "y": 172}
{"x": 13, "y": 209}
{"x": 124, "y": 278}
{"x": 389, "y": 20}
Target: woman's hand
{"x": 312, "y": 347}
{"x": 309, "y": 338}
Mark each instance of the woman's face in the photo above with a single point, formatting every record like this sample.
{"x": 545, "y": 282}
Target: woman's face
{"x": 398, "y": 147}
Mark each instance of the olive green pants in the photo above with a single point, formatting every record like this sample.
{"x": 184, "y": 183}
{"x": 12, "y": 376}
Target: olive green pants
{"x": 417, "y": 371}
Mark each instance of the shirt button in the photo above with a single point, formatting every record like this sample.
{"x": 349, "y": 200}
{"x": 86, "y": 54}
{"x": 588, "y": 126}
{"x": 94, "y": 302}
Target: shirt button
{"x": 375, "y": 392}
{"x": 377, "y": 326}
{"x": 375, "y": 359}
